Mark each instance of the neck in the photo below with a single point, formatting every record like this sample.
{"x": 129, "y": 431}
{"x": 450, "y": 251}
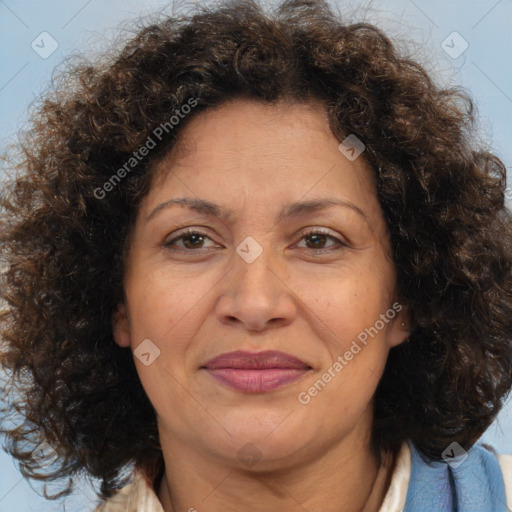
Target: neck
{"x": 345, "y": 477}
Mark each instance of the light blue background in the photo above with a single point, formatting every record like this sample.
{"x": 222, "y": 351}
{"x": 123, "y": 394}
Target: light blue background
{"x": 87, "y": 25}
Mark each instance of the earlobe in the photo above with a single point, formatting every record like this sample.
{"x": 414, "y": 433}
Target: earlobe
{"x": 121, "y": 326}
{"x": 400, "y": 329}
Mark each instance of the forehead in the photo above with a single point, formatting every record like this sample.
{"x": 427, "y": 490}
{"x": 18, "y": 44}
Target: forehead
{"x": 245, "y": 126}
{"x": 244, "y": 140}
{"x": 253, "y": 157}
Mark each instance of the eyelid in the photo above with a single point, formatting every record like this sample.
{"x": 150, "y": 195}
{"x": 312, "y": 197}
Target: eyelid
{"x": 341, "y": 240}
{"x": 318, "y": 229}
{"x": 182, "y": 232}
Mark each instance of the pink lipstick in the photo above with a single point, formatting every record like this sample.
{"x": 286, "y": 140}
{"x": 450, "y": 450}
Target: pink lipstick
{"x": 256, "y": 372}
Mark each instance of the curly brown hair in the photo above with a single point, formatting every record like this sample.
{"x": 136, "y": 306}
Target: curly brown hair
{"x": 63, "y": 239}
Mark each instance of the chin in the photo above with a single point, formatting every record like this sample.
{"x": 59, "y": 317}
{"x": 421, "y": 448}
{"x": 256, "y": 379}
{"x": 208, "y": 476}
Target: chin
{"x": 265, "y": 446}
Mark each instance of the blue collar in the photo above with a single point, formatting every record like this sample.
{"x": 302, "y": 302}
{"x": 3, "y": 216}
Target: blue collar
{"x": 471, "y": 482}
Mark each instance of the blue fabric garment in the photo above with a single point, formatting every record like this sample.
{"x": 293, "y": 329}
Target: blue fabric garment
{"x": 469, "y": 483}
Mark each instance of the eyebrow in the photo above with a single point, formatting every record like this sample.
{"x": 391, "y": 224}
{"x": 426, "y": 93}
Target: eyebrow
{"x": 208, "y": 208}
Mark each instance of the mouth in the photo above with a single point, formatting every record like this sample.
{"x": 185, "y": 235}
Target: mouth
{"x": 256, "y": 372}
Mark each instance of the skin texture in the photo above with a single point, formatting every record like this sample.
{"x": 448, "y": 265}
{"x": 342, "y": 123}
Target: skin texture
{"x": 255, "y": 159}
{"x": 74, "y": 182}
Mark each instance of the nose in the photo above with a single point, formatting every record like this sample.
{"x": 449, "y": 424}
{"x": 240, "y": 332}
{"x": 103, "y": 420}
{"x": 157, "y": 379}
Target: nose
{"x": 255, "y": 295}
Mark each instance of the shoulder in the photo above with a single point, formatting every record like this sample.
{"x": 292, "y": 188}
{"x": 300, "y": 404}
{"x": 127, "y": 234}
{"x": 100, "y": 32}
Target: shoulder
{"x": 138, "y": 496}
{"x": 505, "y": 462}
{"x": 396, "y": 496}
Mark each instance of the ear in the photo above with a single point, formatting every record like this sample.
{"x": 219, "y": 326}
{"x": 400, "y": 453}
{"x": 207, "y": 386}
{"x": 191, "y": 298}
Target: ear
{"x": 121, "y": 326}
{"x": 400, "y": 327}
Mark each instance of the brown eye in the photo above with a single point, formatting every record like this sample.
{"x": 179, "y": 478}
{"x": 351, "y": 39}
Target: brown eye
{"x": 193, "y": 241}
{"x": 317, "y": 240}
{"x": 189, "y": 241}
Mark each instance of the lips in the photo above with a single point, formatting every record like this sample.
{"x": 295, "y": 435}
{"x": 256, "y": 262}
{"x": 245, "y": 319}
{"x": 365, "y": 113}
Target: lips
{"x": 256, "y": 361}
{"x": 256, "y": 372}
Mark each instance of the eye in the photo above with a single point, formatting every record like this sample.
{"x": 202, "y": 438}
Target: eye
{"x": 190, "y": 240}
{"x": 318, "y": 239}
{"x": 193, "y": 240}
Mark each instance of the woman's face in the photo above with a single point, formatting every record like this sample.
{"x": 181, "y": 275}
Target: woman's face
{"x": 247, "y": 178}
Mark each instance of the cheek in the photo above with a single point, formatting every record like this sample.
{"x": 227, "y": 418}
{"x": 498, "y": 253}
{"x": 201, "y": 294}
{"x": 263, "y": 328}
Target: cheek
{"x": 162, "y": 303}
{"x": 344, "y": 304}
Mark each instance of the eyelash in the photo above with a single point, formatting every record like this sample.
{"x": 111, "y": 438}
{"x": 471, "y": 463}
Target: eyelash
{"x": 341, "y": 245}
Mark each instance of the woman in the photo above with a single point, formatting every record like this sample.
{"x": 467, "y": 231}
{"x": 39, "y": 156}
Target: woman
{"x": 253, "y": 263}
